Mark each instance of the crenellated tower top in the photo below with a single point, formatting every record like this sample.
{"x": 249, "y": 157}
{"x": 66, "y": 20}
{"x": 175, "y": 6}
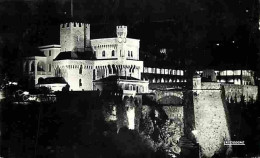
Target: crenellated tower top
{"x": 74, "y": 36}
{"x": 121, "y": 31}
{"x": 74, "y": 25}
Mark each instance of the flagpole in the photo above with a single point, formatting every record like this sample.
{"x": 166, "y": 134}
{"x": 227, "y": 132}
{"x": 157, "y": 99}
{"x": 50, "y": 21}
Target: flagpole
{"x": 71, "y": 8}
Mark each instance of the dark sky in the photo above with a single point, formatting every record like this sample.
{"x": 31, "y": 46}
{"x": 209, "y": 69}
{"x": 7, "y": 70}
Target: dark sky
{"x": 207, "y": 32}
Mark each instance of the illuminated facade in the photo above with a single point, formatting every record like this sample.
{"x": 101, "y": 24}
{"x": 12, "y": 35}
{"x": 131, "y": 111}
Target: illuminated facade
{"x": 80, "y": 60}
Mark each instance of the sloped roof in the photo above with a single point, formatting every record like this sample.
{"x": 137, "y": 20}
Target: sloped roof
{"x": 115, "y": 78}
{"x": 162, "y": 64}
{"x": 86, "y": 55}
{"x": 52, "y": 80}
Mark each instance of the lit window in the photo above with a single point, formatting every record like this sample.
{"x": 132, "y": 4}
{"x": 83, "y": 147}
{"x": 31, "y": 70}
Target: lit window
{"x": 103, "y": 54}
{"x": 80, "y": 69}
{"x": 49, "y": 52}
{"x": 80, "y": 83}
{"x": 49, "y": 67}
{"x": 113, "y": 53}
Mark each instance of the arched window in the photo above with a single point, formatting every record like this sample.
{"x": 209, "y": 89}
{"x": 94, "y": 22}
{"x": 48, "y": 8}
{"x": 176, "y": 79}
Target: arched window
{"x": 103, "y": 54}
{"x": 113, "y": 53}
{"x": 80, "y": 83}
{"x": 109, "y": 69}
{"x": 40, "y": 80}
{"x": 80, "y": 69}
{"x": 40, "y": 66}
{"x": 32, "y": 67}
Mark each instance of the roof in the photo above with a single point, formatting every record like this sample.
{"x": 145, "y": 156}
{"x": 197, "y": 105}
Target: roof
{"x": 49, "y": 46}
{"x": 116, "y": 78}
{"x": 34, "y": 53}
{"x": 75, "y": 55}
{"x": 196, "y": 75}
{"x": 52, "y": 80}
{"x": 162, "y": 64}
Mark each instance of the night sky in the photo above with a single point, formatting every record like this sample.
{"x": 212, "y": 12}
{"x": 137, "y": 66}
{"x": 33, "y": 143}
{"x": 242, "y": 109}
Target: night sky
{"x": 196, "y": 32}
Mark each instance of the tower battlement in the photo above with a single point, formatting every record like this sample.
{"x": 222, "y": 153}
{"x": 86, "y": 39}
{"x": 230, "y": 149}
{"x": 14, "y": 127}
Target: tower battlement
{"x": 74, "y": 24}
{"x": 121, "y": 31}
{"x": 74, "y": 36}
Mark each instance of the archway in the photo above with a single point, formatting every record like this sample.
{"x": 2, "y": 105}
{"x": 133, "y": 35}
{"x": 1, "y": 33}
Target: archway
{"x": 32, "y": 66}
{"x": 40, "y": 80}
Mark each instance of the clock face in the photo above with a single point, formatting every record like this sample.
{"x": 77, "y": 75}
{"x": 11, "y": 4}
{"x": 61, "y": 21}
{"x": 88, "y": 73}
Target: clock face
{"x": 119, "y": 39}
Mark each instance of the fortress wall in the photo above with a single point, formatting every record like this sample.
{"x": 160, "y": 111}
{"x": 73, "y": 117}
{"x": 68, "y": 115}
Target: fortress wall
{"x": 174, "y": 94}
{"x": 240, "y": 92}
{"x": 210, "y": 85}
{"x": 210, "y": 118}
{"x": 250, "y": 92}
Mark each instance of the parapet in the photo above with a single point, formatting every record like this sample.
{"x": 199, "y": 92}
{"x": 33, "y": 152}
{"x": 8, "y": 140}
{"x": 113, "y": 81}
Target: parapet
{"x": 121, "y": 31}
{"x": 121, "y": 27}
{"x": 74, "y": 24}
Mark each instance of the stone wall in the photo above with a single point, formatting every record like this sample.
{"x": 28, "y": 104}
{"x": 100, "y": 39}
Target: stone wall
{"x": 238, "y": 93}
{"x": 169, "y": 97}
{"x": 70, "y": 72}
{"x": 208, "y": 123}
{"x": 210, "y": 85}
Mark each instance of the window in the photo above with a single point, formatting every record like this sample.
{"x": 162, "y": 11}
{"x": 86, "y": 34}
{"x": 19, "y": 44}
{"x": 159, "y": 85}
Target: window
{"x": 49, "y": 52}
{"x": 113, "y": 53}
{"x": 80, "y": 83}
{"x": 103, "y": 54}
{"x": 131, "y": 53}
{"x": 80, "y": 69}
{"x": 77, "y": 38}
{"x": 49, "y": 67}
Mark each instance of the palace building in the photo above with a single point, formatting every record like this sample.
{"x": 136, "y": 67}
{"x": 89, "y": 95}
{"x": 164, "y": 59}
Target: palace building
{"x": 84, "y": 63}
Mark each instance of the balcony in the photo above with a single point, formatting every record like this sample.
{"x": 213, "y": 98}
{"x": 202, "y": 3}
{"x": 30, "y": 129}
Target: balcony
{"x": 129, "y": 92}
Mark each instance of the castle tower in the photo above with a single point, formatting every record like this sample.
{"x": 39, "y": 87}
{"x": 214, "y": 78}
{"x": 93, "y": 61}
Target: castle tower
{"x": 121, "y": 31}
{"x": 74, "y": 36}
{"x": 196, "y": 82}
